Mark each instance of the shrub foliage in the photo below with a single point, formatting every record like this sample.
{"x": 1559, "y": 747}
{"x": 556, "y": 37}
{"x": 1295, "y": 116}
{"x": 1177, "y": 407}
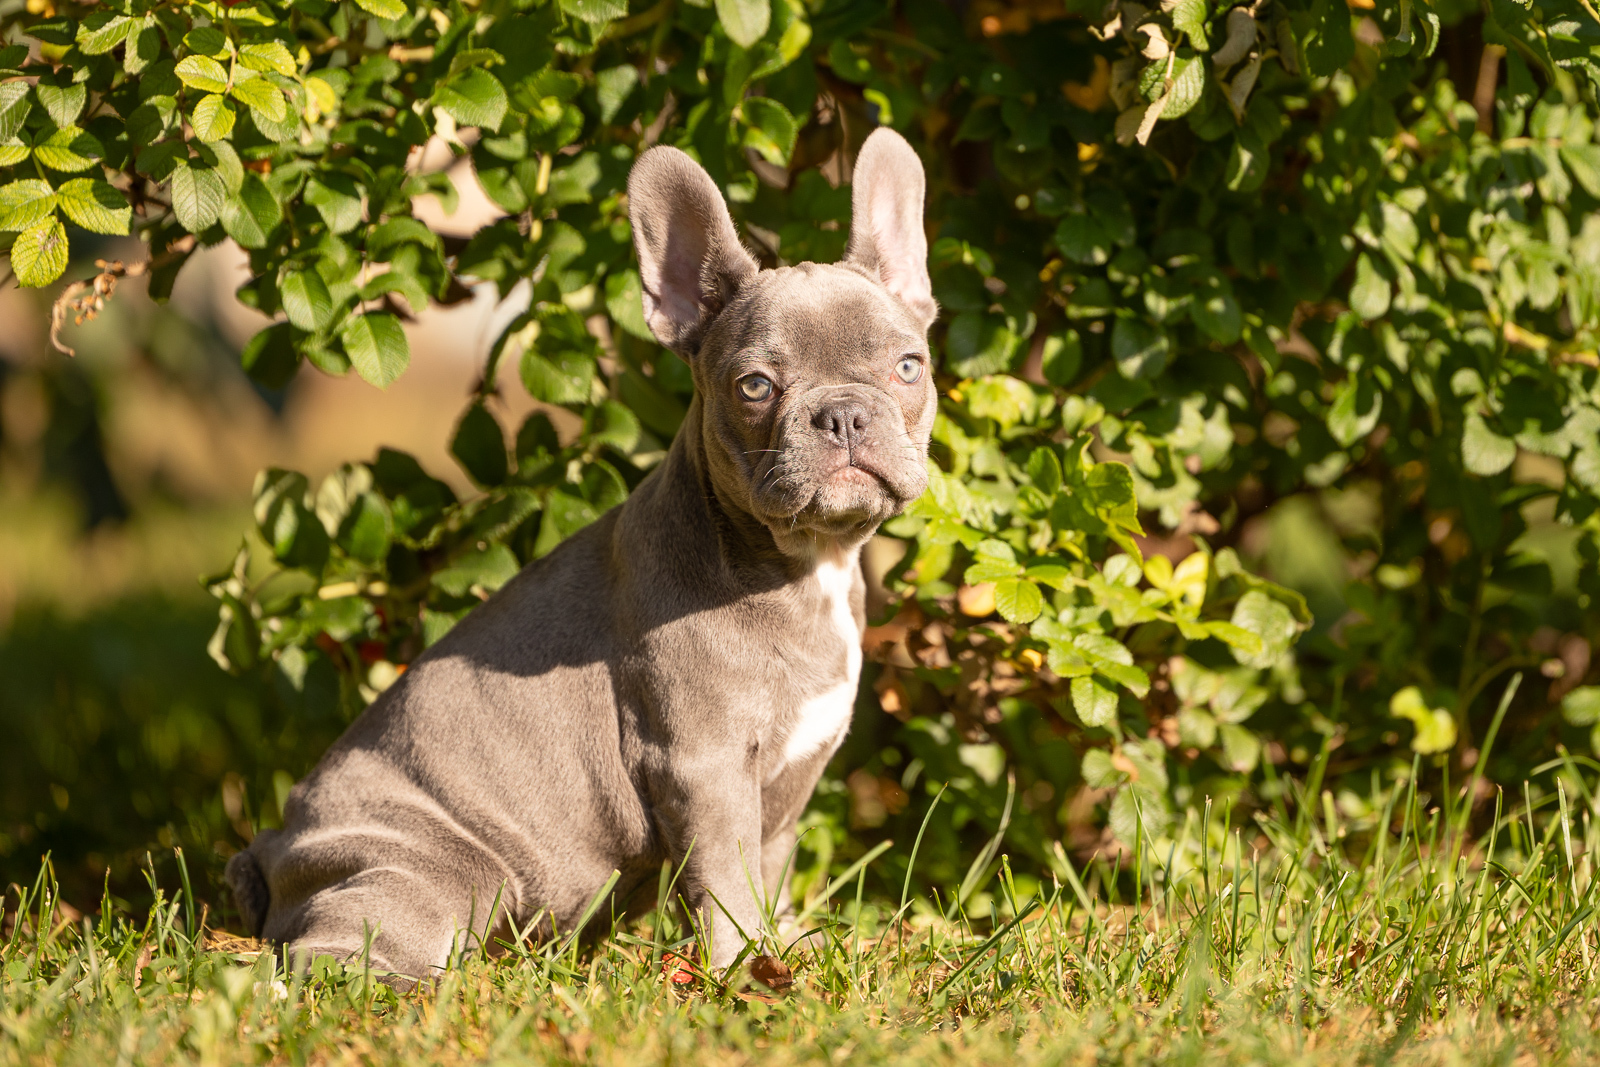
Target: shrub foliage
{"x": 1326, "y": 271}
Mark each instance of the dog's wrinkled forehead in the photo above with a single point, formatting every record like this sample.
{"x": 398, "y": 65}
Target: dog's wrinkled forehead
{"x": 815, "y": 320}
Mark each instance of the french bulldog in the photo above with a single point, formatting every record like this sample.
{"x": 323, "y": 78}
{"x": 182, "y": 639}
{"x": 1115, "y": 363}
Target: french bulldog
{"x": 669, "y": 683}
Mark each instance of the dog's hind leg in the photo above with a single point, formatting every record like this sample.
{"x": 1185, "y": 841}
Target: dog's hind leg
{"x": 390, "y": 919}
{"x": 250, "y": 892}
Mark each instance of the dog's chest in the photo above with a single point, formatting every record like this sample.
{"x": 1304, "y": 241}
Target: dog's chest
{"x": 821, "y": 717}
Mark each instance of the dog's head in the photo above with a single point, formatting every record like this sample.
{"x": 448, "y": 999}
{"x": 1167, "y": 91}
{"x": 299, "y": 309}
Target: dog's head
{"x": 814, "y": 381}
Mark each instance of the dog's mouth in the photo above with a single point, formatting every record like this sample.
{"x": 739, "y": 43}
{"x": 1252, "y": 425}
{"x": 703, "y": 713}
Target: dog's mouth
{"x": 852, "y": 495}
{"x": 853, "y": 474}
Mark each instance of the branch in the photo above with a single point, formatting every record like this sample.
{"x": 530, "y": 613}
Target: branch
{"x": 83, "y": 300}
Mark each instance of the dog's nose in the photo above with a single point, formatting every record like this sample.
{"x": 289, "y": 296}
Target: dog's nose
{"x": 842, "y": 422}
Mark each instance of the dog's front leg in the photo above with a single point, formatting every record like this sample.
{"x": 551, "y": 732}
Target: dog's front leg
{"x": 711, "y": 813}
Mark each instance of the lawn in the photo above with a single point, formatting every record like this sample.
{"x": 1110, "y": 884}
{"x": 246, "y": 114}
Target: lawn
{"x": 1371, "y": 930}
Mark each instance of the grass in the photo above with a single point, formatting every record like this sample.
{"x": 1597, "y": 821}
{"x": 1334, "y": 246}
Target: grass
{"x": 1375, "y": 934}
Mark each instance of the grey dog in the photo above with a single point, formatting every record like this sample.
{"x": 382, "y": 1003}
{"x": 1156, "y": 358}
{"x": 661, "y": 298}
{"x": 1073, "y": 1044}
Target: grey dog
{"x": 669, "y": 683}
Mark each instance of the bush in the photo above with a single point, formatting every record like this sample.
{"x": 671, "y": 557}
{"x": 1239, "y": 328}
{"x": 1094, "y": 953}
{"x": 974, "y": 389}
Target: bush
{"x": 1202, "y": 269}
{"x": 123, "y": 737}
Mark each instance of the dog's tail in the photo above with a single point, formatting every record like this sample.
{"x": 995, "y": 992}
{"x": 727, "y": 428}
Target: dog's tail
{"x": 249, "y": 890}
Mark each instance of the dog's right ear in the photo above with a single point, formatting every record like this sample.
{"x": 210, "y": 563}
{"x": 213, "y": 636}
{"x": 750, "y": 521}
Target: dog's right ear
{"x": 690, "y": 258}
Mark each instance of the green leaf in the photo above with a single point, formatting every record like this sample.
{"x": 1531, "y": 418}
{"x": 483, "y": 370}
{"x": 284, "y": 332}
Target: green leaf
{"x": 250, "y": 215}
{"x": 1189, "y": 16}
{"x": 1110, "y": 494}
{"x": 1140, "y": 349}
{"x": 197, "y": 197}
{"x": 306, "y": 300}
{"x": 1369, "y": 293}
{"x": 207, "y": 41}
{"x": 1102, "y": 647}
{"x": 1355, "y": 411}
{"x": 213, "y": 117}
{"x": 1583, "y": 162}
{"x": 23, "y": 203}
{"x": 160, "y": 160}
{"x": 1018, "y": 600}
{"x": 1581, "y": 707}
{"x": 337, "y": 199}
{"x": 562, "y": 378}
{"x": 613, "y": 86}
{"x": 473, "y": 98}
{"x": 1098, "y": 771}
{"x": 1062, "y": 357}
{"x": 1044, "y": 471}
{"x": 269, "y": 357}
{"x": 63, "y": 103}
{"x": 367, "y": 529}
{"x": 1483, "y": 451}
{"x": 978, "y": 343}
{"x": 487, "y": 569}
{"x": 474, "y": 57}
{"x": 745, "y": 21}
{"x": 267, "y": 55}
{"x": 1051, "y": 574}
{"x": 1196, "y": 728}
{"x": 479, "y": 446}
{"x": 624, "y": 303}
{"x": 1271, "y": 621}
{"x": 222, "y": 158}
{"x": 151, "y": 120}
{"x": 1188, "y": 85}
{"x": 595, "y": 11}
{"x": 394, "y": 234}
{"x": 1236, "y": 636}
{"x": 1247, "y": 163}
{"x": 614, "y": 424}
{"x": 1133, "y": 678}
{"x": 322, "y": 94}
{"x": 564, "y": 515}
{"x": 1436, "y": 728}
{"x": 377, "y": 347}
{"x": 1241, "y": 749}
{"x": 14, "y": 108}
{"x": 203, "y": 73}
{"x": 994, "y": 550}
{"x": 1331, "y": 45}
{"x": 1083, "y": 238}
{"x": 1216, "y": 311}
{"x": 771, "y": 130}
{"x": 383, "y": 9}
{"x": 262, "y": 95}
{"x": 101, "y": 31}
{"x": 295, "y": 534}
{"x": 39, "y": 255}
{"x": 69, "y": 150}
{"x": 95, "y": 205}
{"x": 1095, "y": 704}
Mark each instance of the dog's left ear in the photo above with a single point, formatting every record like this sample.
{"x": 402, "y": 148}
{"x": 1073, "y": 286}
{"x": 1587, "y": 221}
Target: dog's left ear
{"x": 887, "y": 241}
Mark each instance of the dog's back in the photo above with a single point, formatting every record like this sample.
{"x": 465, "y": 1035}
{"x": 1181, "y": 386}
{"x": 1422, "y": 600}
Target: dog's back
{"x": 492, "y": 768}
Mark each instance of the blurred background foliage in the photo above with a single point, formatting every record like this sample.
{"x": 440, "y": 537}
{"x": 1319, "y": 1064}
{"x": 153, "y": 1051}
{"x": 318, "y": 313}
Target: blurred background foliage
{"x": 1268, "y": 449}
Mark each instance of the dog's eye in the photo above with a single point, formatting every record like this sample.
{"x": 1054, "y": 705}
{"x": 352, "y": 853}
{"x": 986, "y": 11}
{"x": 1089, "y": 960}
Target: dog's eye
{"x": 755, "y": 388}
{"x": 909, "y": 369}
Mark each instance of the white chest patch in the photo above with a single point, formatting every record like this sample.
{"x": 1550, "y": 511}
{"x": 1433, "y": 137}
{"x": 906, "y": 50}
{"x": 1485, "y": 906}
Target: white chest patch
{"x": 822, "y": 718}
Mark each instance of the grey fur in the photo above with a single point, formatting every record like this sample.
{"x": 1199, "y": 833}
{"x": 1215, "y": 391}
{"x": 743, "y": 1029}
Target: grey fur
{"x": 680, "y": 671}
